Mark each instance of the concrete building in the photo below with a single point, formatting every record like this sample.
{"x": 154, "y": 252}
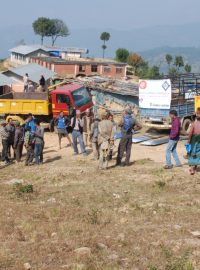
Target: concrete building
{"x": 22, "y": 54}
{"x": 83, "y": 67}
{"x": 34, "y": 72}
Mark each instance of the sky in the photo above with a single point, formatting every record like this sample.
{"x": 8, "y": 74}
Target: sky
{"x": 102, "y": 14}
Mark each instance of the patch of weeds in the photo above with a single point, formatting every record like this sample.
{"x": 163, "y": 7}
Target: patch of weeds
{"x": 93, "y": 216}
{"x": 177, "y": 263}
{"x": 76, "y": 201}
{"x": 21, "y": 189}
{"x": 143, "y": 161}
{"x": 172, "y": 262}
{"x": 158, "y": 172}
{"x": 153, "y": 267}
{"x": 160, "y": 184}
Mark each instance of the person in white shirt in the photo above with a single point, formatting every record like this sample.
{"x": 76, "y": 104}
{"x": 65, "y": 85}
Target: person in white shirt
{"x": 26, "y": 80}
{"x": 77, "y": 133}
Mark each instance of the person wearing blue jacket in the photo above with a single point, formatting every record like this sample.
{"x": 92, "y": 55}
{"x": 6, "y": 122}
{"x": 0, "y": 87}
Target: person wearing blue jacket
{"x": 30, "y": 122}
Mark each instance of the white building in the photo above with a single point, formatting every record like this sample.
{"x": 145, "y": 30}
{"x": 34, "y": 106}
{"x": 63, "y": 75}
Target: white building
{"x": 22, "y": 54}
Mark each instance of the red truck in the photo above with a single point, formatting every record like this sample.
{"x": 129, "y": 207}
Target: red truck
{"x": 45, "y": 106}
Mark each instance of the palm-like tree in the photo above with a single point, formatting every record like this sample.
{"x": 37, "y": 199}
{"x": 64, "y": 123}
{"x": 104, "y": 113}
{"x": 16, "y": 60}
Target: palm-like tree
{"x": 105, "y": 36}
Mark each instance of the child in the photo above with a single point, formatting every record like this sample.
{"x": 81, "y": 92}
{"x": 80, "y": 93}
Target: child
{"x": 29, "y": 142}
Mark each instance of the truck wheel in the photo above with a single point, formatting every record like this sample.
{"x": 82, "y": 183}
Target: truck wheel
{"x": 186, "y": 126}
{"x": 51, "y": 126}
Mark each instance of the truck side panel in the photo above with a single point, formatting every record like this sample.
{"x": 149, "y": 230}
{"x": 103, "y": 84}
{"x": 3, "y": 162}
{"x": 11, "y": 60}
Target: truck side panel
{"x": 14, "y": 106}
{"x": 197, "y": 102}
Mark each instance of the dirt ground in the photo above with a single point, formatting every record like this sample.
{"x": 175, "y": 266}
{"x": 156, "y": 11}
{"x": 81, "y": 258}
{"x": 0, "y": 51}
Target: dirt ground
{"x": 138, "y": 217}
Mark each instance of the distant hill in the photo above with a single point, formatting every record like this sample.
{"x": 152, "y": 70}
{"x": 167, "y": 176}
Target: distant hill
{"x": 156, "y": 56}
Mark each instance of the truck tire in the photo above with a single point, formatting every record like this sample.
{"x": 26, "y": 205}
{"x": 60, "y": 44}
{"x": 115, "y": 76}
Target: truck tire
{"x": 51, "y": 126}
{"x": 186, "y": 125}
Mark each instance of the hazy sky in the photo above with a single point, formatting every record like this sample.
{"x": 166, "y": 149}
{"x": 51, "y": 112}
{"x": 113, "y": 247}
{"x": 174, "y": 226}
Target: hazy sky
{"x": 117, "y": 14}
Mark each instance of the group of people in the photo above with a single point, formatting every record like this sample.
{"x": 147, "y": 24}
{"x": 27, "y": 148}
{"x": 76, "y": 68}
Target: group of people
{"x": 98, "y": 132}
{"x": 192, "y": 146}
{"x": 15, "y": 136}
{"x": 29, "y": 86}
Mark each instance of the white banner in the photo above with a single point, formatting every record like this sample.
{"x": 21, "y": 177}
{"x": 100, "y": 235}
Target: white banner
{"x": 155, "y": 94}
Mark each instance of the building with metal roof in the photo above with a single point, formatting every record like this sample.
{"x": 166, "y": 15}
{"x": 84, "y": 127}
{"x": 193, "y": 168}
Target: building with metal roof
{"x": 5, "y": 84}
{"x": 22, "y": 54}
{"x": 34, "y": 72}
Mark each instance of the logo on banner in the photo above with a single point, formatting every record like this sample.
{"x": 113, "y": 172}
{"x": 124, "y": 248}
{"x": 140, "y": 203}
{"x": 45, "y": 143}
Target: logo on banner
{"x": 165, "y": 85}
{"x": 143, "y": 85}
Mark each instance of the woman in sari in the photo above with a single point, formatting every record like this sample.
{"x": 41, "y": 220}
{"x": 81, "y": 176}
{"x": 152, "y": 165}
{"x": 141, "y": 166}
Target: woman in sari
{"x": 194, "y": 141}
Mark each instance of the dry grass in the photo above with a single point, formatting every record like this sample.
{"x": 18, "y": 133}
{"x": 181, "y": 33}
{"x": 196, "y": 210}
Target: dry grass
{"x": 142, "y": 214}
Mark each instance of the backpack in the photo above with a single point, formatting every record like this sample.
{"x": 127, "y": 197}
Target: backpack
{"x": 128, "y": 123}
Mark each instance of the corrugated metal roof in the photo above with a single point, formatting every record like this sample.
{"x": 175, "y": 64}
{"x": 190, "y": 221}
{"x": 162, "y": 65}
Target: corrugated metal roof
{"x": 26, "y": 49}
{"x": 34, "y": 71}
{"x": 4, "y": 80}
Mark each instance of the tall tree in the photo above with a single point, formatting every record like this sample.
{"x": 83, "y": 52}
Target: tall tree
{"x": 178, "y": 62}
{"x": 122, "y": 55}
{"x": 188, "y": 68}
{"x": 168, "y": 59}
{"x": 136, "y": 61}
{"x": 59, "y": 29}
{"x": 105, "y": 36}
{"x": 43, "y": 27}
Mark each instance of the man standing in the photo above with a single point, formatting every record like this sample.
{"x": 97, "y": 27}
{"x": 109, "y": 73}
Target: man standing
{"x": 105, "y": 137}
{"x": 94, "y": 137}
{"x": 61, "y": 123}
{"x": 173, "y": 141}
{"x": 11, "y": 130}
{"x": 30, "y": 123}
{"x": 29, "y": 142}
{"x": 39, "y": 142}
{"x": 5, "y": 141}
{"x": 127, "y": 124}
{"x": 87, "y": 122}
{"x": 25, "y": 80}
{"x": 77, "y": 133}
{"x": 18, "y": 141}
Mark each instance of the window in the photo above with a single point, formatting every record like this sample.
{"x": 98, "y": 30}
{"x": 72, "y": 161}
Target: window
{"x": 119, "y": 70}
{"x": 107, "y": 69}
{"x": 94, "y": 68}
{"x": 81, "y": 68}
{"x": 81, "y": 97}
{"x": 62, "y": 98}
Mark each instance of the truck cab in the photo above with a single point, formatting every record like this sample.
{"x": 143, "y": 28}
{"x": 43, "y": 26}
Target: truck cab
{"x": 68, "y": 97}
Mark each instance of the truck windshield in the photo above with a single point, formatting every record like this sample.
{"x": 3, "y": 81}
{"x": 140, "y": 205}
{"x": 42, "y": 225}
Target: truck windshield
{"x": 81, "y": 97}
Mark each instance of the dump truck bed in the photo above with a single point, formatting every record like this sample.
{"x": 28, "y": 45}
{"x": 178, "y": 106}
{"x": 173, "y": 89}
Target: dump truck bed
{"x": 24, "y": 103}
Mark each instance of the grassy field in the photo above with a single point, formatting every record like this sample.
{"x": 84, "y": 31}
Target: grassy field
{"x": 138, "y": 217}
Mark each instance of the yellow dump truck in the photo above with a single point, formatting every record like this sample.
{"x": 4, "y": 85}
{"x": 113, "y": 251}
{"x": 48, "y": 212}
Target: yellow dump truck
{"x": 45, "y": 106}
{"x": 197, "y": 102}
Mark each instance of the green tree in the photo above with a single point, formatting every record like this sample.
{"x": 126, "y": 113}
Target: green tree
{"x": 178, "y": 62}
{"x": 168, "y": 59}
{"x": 105, "y": 36}
{"x": 59, "y": 29}
{"x": 153, "y": 73}
{"x": 122, "y": 55}
{"x": 43, "y": 27}
{"x": 173, "y": 72}
{"x": 188, "y": 68}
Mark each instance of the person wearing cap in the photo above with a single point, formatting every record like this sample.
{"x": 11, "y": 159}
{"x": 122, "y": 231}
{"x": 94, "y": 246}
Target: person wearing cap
{"x": 105, "y": 138}
{"x": 4, "y": 134}
{"x": 87, "y": 122}
{"x": 18, "y": 141}
{"x": 77, "y": 133}
{"x": 128, "y": 123}
{"x": 94, "y": 132}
